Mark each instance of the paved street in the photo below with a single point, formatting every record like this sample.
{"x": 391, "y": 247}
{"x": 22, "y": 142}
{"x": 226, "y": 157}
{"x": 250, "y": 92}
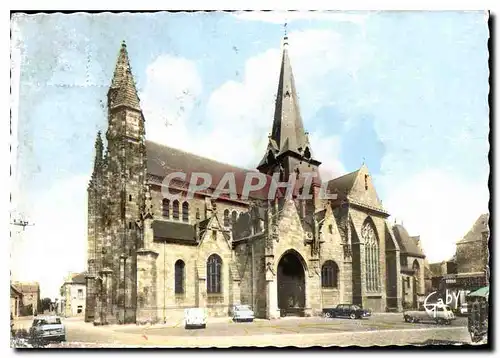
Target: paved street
{"x": 382, "y": 329}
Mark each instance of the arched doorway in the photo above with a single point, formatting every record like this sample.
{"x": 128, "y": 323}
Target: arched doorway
{"x": 291, "y": 285}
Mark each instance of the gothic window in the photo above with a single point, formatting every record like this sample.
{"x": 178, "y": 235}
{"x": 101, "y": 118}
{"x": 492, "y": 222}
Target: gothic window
{"x": 197, "y": 214}
{"x": 372, "y": 257}
{"x": 165, "y": 208}
{"x": 330, "y": 229}
{"x": 226, "y": 218}
{"x": 214, "y": 274}
{"x": 234, "y": 217}
{"x": 175, "y": 210}
{"x": 329, "y": 275}
{"x": 179, "y": 277}
{"x": 185, "y": 211}
{"x": 366, "y": 181}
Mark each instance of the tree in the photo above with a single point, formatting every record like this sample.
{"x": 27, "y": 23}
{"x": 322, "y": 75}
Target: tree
{"x": 46, "y": 304}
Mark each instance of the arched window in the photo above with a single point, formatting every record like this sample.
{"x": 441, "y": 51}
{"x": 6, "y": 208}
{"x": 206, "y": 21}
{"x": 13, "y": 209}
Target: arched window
{"x": 185, "y": 211}
{"x": 234, "y": 217}
{"x": 175, "y": 210}
{"x": 226, "y": 218}
{"x": 198, "y": 214}
{"x": 165, "y": 207}
{"x": 179, "y": 277}
{"x": 372, "y": 257}
{"x": 329, "y": 275}
{"x": 214, "y": 274}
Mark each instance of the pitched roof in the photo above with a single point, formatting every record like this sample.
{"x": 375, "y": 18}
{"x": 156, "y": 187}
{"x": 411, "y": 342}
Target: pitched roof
{"x": 288, "y": 129}
{"x": 78, "y": 278}
{"x": 122, "y": 85}
{"x": 173, "y": 230}
{"x": 163, "y": 160}
{"x": 476, "y": 232}
{"x": 16, "y": 290}
{"x": 27, "y": 287}
{"x": 407, "y": 244}
{"x": 343, "y": 184}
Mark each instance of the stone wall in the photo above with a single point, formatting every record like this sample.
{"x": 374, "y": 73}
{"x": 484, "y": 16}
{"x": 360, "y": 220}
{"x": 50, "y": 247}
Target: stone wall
{"x": 472, "y": 256}
{"x": 375, "y": 301}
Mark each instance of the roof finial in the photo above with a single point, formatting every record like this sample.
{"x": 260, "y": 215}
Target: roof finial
{"x": 285, "y": 38}
{"x": 124, "y": 44}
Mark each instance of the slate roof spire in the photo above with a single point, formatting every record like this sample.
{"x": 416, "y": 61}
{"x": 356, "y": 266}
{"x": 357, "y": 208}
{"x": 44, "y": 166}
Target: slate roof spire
{"x": 122, "y": 91}
{"x": 288, "y": 129}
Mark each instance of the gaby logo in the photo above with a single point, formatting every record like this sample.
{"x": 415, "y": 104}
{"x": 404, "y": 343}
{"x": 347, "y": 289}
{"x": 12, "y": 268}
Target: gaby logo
{"x": 450, "y": 300}
{"x": 253, "y": 182}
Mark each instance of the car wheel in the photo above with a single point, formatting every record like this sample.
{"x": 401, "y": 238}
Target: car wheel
{"x": 406, "y": 319}
{"x": 352, "y": 316}
{"x": 204, "y": 326}
{"x": 328, "y": 315}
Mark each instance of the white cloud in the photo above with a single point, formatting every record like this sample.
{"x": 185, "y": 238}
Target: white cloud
{"x": 57, "y": 240}
{"x": 239, "y": 114}
{"x": 243, "y": 111}
{"x": 172, "y": 89}
{"x": 439, "y": 207}
{"x": 282, "y": 17}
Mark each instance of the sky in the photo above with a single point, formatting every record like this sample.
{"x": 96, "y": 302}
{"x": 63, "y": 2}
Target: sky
{"x": 404, "y": 92}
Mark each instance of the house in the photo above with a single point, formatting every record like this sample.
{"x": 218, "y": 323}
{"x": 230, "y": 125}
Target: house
{"x": 73, "y": 292}
{"x": 30, "y": 297}
{"x": 16, "y": 298}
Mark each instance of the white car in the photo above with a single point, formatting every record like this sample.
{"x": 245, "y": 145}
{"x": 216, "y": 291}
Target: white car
{"x": 243, "y": 313}
{"x": 195, "y": 317}
{"x": 48, "y": 328}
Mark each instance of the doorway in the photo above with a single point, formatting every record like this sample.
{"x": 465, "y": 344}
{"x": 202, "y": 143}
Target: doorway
{"x": 291, "y": 285}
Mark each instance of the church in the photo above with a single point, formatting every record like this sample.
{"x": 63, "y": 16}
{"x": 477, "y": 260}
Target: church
{"x": 150, "y": 257}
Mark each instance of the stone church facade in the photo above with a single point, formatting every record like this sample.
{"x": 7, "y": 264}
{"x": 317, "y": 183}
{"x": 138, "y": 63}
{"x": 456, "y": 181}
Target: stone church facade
{"x": 149, "y": 257}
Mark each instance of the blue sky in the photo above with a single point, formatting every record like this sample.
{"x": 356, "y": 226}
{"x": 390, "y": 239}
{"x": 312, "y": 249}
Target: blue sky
{"x": 404, "y": 92}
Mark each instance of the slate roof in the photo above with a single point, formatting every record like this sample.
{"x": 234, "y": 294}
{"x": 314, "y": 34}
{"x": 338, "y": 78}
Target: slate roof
{"x": 16, "y": 290}
{"x": 173, "y": 230}
{"x": 476, "y": 232}
{"x": 343, "y": 184}
{"x": 27, "y": 287}
{"x": 163, "y": 160}
{"x": 122, "y": 84}
{"x": 288, "y": 128}
{"x": 78, "y": 278}
{"x": 407, "y": 244}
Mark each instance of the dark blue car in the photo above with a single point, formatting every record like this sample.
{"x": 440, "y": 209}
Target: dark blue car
{"x": 346, "y": 310}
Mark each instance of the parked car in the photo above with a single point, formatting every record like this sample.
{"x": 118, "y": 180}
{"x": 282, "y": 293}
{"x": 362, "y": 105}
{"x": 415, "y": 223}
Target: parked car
{"x": 48, "y": 328}
{"x": 243, "y": 313}
{"x": 347, "y": 310}
{"x": 195, "y": 317}
{"x": 441, "y": 314}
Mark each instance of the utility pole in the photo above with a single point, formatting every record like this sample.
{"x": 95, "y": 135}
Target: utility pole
{"x": 23, "y": 223}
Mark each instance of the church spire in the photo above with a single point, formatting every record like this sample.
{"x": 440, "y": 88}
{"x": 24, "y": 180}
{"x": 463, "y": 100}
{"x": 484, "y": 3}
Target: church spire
{"x": 288, "y": 138}
{"x": 288, "y": 130}
{"x": 122, "y": 91}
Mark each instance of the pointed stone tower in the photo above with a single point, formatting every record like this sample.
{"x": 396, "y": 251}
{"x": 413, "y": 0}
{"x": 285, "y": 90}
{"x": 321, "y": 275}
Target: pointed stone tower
{"x": 124, "y": 200}
{"x": 94, "y": 229}
{"x": 288, "y": 151}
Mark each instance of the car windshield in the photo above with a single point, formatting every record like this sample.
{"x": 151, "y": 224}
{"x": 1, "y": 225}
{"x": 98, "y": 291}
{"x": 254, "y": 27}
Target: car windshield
{"x": 242, "y": 308}
{"x": 354, "y": 307}
{"x": 46, "y": 321}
